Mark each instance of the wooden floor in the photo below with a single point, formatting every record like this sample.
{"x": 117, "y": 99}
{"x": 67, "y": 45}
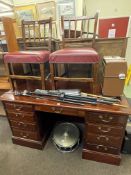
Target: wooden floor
{"x": 4, "y": 83}
{"x": 2, "y": 111}
{"x": 4, "y": 86}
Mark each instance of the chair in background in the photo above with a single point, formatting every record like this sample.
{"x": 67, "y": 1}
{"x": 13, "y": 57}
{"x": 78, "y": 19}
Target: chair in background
{"x": 77, "y": 30}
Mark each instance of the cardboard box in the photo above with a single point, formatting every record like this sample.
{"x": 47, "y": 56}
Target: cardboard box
{"x": 114, "y": 72}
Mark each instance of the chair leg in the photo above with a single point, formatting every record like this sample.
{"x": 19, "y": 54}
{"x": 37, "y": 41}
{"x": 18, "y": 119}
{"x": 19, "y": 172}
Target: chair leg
{"x": 8, "y": 73}
{"x": 94, "y": 74}
{"x": 31, "y": 69}
{"x": 52, "y": 76}
{"x": 66, "y": 66}
{"x": 42, "y": 73}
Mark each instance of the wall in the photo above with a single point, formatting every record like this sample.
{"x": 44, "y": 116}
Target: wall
{"x": 8, "y": 1}
{"x": 109, "y": 8}
{"x": 112, "y": 8}
{"x": 23, "y": 2}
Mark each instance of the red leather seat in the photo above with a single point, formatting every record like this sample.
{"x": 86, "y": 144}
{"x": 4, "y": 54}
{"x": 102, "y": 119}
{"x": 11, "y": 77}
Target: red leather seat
{"x": 27, "y": 57}
{"x": 31, "y": 57}
{"x": 78, "y": 43}
{"x": 74, "y": 55}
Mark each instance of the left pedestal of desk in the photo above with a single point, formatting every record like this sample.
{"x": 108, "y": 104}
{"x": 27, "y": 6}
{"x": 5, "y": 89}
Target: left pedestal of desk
{"x": 25, "y": 125}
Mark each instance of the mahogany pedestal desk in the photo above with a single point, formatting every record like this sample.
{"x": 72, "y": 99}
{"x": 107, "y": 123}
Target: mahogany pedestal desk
{"x": 104, "y": 124}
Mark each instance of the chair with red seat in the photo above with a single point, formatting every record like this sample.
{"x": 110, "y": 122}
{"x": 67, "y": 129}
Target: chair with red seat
{"x": 23, "y": 57}
{"x": 77, "y": 31}
{"x": 40, "y": 42}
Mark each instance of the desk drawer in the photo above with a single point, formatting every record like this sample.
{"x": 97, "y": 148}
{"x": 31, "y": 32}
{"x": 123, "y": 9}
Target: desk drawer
{"x": 26, "y": 135}
{"x": 104, "y": 140}
{"x": 23, "y": 126}
{"x": 18, "y": 107}
{"x": 103, "y": 118}
{"x": 23, "y": 117}
{"x": 116, "y": 131}
{"x": 61, "y": 110}
{"x": 102, "y": 148}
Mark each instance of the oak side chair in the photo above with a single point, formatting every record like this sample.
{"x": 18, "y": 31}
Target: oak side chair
{"x": 36, "y": 54}
{"x": 76, "y": 30}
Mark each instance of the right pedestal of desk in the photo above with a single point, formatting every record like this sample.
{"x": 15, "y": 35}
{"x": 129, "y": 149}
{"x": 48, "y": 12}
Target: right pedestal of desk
{"x": 104, "y": 133}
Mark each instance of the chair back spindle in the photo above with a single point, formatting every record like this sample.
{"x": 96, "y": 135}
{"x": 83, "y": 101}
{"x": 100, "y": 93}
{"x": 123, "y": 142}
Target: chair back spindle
{"x": 37, "y": 35}
{"x": 79, "y": 29}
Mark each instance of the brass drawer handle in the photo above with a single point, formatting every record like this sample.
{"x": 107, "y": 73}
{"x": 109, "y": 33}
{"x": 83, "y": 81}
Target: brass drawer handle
{"x": 103, "y": 137}
{"x": 16, "y": 115}
{"x": 22, "y": 124}
{"x": 109, "y": 119}
{"x": 102, "y": 130}
{"x": 25, "y": 135}
{"x": 18, "y": 109}
{"x": 57, "y": 110}
{"x": 101, "y": 146}
{"x": 20, "y": 115}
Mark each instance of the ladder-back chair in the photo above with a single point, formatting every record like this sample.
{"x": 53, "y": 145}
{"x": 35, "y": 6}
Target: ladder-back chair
{"x": 77, "y": 31}
{"x": 36, "y": 54}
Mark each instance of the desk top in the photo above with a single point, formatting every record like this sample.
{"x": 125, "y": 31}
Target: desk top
{"x": 10, "y": 97}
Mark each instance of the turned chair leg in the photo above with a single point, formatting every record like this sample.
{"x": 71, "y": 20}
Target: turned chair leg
{"x": 42, "y": 73}
{"x": 52, "y": 76}
{"x": 94, "y": 75}
{"x": 7, "y": 65}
